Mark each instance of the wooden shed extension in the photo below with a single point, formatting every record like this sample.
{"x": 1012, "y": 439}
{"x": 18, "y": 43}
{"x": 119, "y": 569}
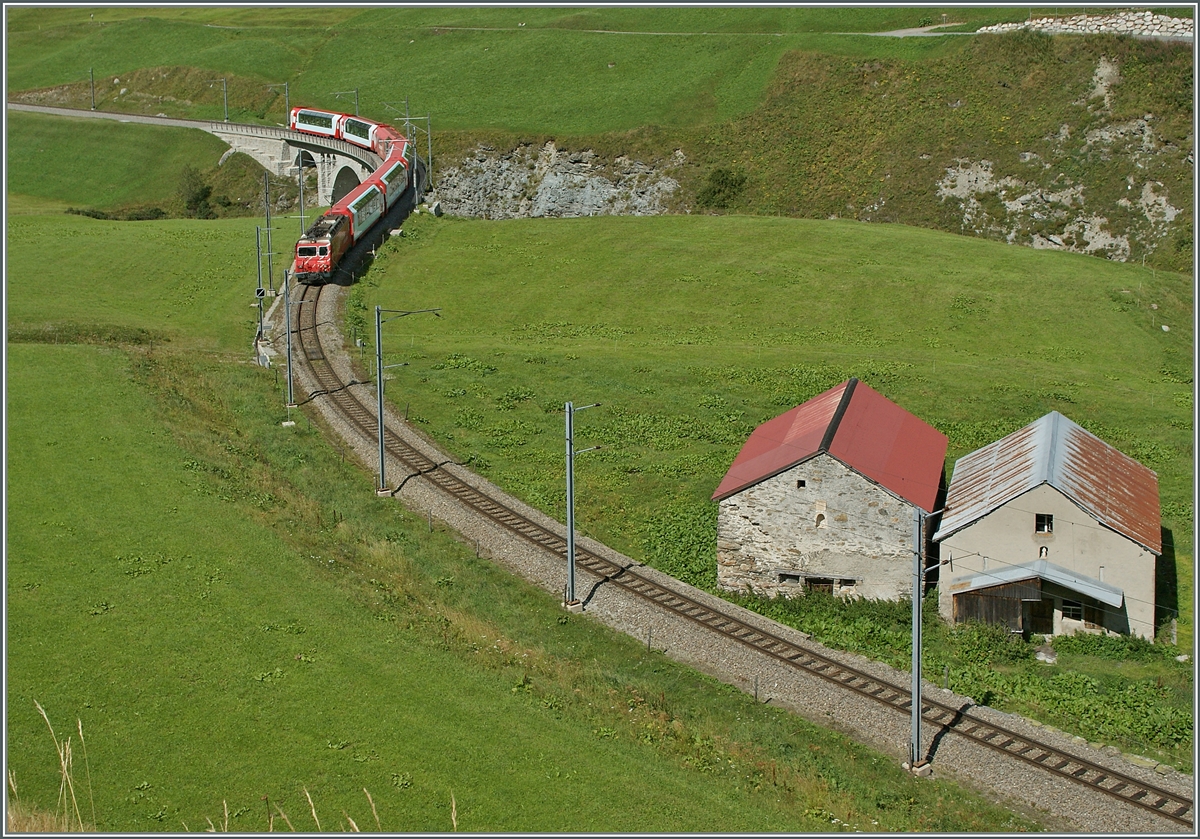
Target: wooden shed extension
{"x": 1003, "y": 603}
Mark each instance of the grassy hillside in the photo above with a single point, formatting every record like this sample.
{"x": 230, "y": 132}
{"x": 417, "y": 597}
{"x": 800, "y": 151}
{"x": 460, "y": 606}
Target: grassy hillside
{"x": 1056, "y": 142}
{"x": 190, "y": 281}
{"x": 875, "y": 140}
{"x": 229, "y": 613}
{"x": 145, "y": 170}
{"x": 690, "y": 331}
{"x": 693, "y": 330}
{"x": 705, "y": 72}
{"x": 134, "y": 171}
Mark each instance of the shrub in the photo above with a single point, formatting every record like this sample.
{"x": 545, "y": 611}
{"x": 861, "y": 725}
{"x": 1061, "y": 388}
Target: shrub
{"x": 87, "y": 211}
{"x": 1112, "y": 647}
{"x": 722, "y": 188}
{"x": 194, "y": 193}
{"x": 145, "y": 214}
{"x": 989, "y": 643}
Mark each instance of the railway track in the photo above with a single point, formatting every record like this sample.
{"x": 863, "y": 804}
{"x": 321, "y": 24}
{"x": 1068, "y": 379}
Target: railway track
{"x": 1064, "y": 765}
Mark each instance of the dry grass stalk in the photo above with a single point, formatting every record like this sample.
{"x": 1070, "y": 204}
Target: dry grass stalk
{"x": 87, "y": 766}
{"x": 270, "y": 815}
{"x": 353, "y": 826}
{"x": 313, "y": 808}
{"x": 453, "y": 812}
{"x": 22, "y": 819}
{"x": 286, "y": 820}
{"x": 373, "y": 811}
{"x": 67, "y": 784}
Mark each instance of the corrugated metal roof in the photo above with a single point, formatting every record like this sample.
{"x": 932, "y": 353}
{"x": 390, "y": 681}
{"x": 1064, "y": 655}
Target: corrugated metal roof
{"x": 1113, "y": 488}
{"x": 861, "y": 428}
{"x": 1045, "y": 570}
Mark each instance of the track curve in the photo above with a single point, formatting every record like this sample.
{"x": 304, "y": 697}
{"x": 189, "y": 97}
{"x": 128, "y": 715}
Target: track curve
{"x": 1177, "y": 808}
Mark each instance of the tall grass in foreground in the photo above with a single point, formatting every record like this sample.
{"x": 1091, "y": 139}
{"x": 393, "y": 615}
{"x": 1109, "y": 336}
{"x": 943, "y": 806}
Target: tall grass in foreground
{"x": 66, "y": 817}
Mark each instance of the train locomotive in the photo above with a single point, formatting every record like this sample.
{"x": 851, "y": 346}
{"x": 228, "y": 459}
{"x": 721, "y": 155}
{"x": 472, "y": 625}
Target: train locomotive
{"x": 328, "y": 238}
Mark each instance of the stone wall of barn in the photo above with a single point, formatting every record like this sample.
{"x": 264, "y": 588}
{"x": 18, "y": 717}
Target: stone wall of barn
{"x": 817, "y": 525}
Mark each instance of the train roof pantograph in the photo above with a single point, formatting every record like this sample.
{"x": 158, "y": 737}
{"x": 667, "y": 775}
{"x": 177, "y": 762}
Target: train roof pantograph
{"x": 856, "y": 425}
{"x": 324, "y": 227}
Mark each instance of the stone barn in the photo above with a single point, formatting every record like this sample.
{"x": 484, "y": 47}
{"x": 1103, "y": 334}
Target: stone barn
{"x": 822, "y": 498}
{"x": 1050, "y": 530}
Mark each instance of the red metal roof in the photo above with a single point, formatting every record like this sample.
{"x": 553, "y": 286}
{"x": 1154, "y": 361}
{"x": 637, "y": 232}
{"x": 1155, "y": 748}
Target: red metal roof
{"x": 860, "y": 427}
{"x": 1113, "y": 488}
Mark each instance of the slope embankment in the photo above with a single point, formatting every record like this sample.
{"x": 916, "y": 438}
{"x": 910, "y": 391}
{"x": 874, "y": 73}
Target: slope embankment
{"x": 1082, "y": 144}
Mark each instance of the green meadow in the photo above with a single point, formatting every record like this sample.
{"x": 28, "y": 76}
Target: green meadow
{"x": 235, "y": 620}
{"x": 692, "y": 330}
{"x": 225, "y": 621}
{"x": 177, "y": 280}
{"x": 146, "y": 171}
{"x": 210, "y": 660}
{"x": 668, "y": 66}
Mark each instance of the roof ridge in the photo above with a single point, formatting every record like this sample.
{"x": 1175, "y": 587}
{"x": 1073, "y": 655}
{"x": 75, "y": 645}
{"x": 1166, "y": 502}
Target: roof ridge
{"x": 838, "y": 413}
{"x": 1050, "y": 475}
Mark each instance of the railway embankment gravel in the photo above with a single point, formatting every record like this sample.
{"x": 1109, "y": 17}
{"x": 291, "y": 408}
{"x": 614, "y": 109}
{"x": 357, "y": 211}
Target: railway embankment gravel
{"x": 1058, "y": 805}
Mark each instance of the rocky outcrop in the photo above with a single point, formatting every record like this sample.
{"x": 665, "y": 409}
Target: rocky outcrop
{"x": 1036, "y": 204}
{"x": 1138, "y": 24}
{"x": 549, "y": 182}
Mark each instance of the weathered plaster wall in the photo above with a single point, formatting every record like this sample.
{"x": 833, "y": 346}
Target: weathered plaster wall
{"x": 840, "y": 525}
{"x": 1006, "y": 536}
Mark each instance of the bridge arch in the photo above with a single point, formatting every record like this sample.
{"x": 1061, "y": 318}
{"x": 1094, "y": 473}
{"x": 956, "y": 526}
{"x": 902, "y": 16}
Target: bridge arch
{"x": 345, "y": 181}
{"x": 304, "y": 159}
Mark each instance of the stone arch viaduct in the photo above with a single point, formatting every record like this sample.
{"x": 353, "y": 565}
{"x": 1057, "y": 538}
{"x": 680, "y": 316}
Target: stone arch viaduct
{"x": 340, "y": 166}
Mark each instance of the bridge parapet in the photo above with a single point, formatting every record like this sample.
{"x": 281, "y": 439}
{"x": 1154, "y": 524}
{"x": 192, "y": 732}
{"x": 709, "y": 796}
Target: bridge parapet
{"x": 340, "y": 165}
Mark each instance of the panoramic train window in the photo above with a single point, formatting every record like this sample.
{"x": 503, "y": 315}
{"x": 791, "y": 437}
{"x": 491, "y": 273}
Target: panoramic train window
{"x": 358, "y": 129}
{"x": 319, "y": 120}
{"x": 396, "y": 174}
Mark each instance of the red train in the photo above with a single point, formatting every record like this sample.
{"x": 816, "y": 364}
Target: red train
{"x": 329, "y": 237}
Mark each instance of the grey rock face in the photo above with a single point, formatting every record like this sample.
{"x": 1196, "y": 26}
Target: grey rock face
{"x": 548, "y": 182}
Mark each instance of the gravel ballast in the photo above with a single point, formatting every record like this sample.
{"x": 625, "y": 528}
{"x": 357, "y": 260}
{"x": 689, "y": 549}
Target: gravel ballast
{"x": 1059, "y": 805}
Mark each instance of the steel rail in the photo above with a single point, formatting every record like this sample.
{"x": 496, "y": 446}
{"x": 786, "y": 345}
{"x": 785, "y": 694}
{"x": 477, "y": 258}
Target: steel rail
{"x": 1177, "y": 808}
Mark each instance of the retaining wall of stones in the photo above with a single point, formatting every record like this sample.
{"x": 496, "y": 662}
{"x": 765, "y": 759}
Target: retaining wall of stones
{"x": 1139, "y": 24}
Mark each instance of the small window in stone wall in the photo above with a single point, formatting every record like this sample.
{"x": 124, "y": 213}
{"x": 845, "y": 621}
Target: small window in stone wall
{"x": 801, "y": 484}
{"x": 1043, "y": 523}
{"x": 824, "y": 584}
{"x": 789, "y": 579}
{"x": 1072, "y": 610}
{"x": 820, "y": 520}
